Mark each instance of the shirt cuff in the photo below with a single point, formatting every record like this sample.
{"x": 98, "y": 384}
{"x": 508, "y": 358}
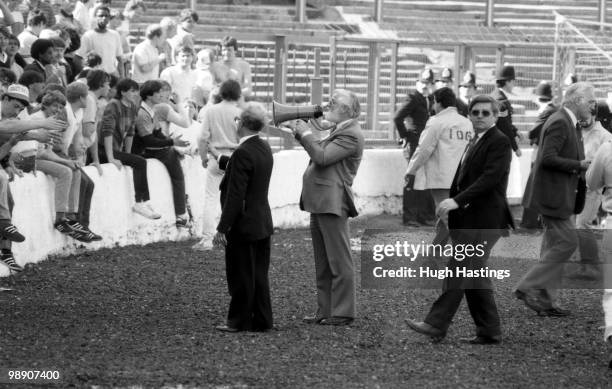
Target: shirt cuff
{"x": 299, "y": 136}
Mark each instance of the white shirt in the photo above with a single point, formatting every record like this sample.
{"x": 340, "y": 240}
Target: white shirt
{"x": 181, "y": 81}
{"x": 106, "y": 44}
{"x": 145, "y": 53}
{"x": 75, "y": 122}
{"x": 81, "y": 14}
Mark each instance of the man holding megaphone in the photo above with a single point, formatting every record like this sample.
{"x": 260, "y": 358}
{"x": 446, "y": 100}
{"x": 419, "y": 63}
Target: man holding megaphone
{"x": 327, "y": 195}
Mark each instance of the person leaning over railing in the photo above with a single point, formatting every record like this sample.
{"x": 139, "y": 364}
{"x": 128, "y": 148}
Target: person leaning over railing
{"x": 154, "y": 144}
{"x": 117, "y": 133}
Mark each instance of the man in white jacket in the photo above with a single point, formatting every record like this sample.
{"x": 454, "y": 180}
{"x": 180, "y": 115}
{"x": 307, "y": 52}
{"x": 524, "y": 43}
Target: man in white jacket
{"x": 441, "y": 146}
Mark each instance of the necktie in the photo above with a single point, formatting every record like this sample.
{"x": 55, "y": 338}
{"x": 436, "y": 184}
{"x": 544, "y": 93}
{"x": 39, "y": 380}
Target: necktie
{"x": 469, "y": 148}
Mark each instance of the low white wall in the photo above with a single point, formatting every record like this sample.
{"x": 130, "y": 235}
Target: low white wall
{"x": 378, "y": 188}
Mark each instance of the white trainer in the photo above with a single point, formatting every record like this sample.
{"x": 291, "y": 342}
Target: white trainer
{"x": 146, "y": 211}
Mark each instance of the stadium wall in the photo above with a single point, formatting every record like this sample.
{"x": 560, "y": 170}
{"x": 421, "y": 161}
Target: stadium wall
{"x": 377, "y": 187}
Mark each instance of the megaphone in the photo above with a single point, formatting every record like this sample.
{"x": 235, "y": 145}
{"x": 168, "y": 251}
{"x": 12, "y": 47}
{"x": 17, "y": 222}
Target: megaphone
{"x": 282, "y": 113}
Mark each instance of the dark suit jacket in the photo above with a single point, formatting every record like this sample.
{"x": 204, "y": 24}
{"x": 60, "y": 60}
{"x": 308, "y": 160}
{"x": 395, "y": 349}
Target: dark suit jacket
{"x": 504, "y": 122}
{"x": 534, "y": 134}
{"x": 333, "y": 165}
{"x": 479, "y": 188}
{"x": 415, "y": 107}
{"x": 462, "y": 107}
{"x": 35, "y": 67}
{"x": 556, "y": 172}
{"x": 244, "y": 191}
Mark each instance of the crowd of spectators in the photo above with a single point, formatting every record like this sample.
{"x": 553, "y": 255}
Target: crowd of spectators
{"x": 74, "y": 94}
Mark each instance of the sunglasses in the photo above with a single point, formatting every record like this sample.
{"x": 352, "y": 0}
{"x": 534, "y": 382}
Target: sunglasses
{"x": 477, "y": 112}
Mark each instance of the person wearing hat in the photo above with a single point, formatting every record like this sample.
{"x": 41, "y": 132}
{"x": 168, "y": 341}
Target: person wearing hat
{"x": 444, "y": 79}
{"x": 531, "y": 219}
{"x": 14, "y": 100}
{"x": 467, "y": 89}
{"x": 410, "y": 120}
{"x": 505, "y": 83}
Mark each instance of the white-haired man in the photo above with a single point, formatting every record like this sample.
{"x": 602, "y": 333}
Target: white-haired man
{"x": 327, "y": 195}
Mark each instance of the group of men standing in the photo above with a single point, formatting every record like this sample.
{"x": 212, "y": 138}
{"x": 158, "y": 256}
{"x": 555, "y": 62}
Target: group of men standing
{"x": 479, "y": 152}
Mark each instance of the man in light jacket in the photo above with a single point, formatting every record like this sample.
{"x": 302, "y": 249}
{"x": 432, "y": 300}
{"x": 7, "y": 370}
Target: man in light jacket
{"x": 441, "y": 146}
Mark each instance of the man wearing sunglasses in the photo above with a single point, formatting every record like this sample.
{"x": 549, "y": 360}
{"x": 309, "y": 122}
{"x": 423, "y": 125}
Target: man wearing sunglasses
{"x": 477, "y": 214}
{"x": 558, "y": 193}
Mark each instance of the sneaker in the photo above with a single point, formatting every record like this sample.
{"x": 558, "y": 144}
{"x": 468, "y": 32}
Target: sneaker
{"x": 145, "y": 210}
{"x": 155, "y": 214}
{"x": 202, "y": 245}
{"x": 8, "y": 260}
{"x": 65, "y": 228}
{"x": 9, "y": 231}
{"x": 75, "y": 225}
{"x": 182, "y": 222}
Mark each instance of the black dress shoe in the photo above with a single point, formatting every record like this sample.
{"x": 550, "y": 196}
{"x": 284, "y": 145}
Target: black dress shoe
{"x": 312, "y": 319}
{"x": 556, "y": 312}
{"x": 426, "y": 329}
{"x": 336, "y": 321}
{"x": 482, "y": 340}
{"x": 530, "y": 301}
{"x": 226, "y": 328}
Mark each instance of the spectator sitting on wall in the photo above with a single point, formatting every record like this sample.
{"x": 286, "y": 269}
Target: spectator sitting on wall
{"x": 117, "y": 133}
{"x": 154, "y": 144}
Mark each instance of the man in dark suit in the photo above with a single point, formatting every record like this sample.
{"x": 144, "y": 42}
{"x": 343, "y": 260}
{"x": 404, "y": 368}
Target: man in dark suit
{"x": 530, "y": 219}
{"x": 327, "y": 195}
{"x": 477, "y": 214}
{"x": 505, "y": 83}
{"x": 410, "y": 120}
{"x": 557, "y": 193}
{"x": 246, "y": 225}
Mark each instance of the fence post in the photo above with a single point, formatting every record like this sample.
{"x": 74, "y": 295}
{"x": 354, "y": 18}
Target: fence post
{"x": 489, "y": 13}
{"x": 459, "y": 65}
{"x": 300, "y": 11}
{"x": 393, "y": 90}
{"x": 316, "y": 82}
{"x": 602, "y": 14}
{"x": 500, "y": 54}
{"x": 373, "y": 80}
{"x": 280, "y": 68}
{"x": 378, "y": 11}
{"x": 332, "y": 63}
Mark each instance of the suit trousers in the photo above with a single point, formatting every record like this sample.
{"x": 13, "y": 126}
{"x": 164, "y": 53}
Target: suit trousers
{"x": 559, "y": 242}
{"x": 478, "y": 291}
{"x": 246, "y": 267}
{"x": 334, "y": 266}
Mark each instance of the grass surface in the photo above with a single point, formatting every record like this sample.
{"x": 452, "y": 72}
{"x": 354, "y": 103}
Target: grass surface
{"x": 145, "y": 316}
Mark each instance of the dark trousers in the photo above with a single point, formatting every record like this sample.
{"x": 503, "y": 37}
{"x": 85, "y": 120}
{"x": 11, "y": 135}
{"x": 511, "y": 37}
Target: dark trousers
{"x": 5, "y": 243}
{"x": 478, "y": 292}
{"x": 85, "y": 194}
{"x": 418, "y": 206}
{"x": 246, "y": 267}
{"x": 171, "y": 159}
{"x": 139, "y": 164}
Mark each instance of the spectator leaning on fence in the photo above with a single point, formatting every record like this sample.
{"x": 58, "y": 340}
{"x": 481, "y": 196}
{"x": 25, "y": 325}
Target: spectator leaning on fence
{"x": 117, "y": 133}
